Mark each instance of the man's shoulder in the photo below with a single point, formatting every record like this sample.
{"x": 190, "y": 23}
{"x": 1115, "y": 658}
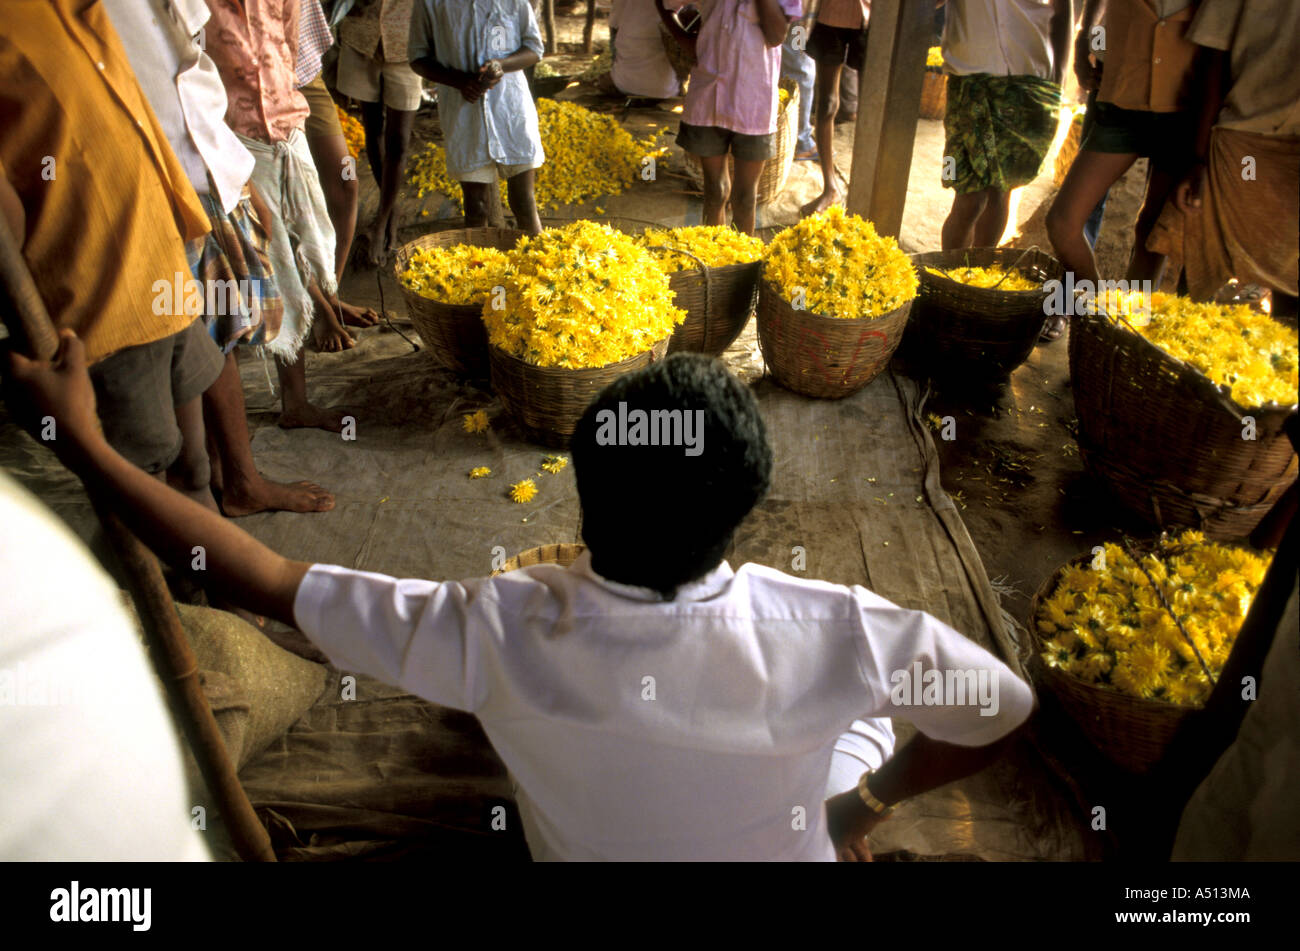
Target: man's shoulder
{"x": 796, "y": 595}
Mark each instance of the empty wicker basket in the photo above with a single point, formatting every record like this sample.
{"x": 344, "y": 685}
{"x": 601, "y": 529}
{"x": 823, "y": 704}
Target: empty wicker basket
{"x": 776, "y": 169}
{"x": 828, "y": 357}
{"x": 556, "y": 553}
{"x": 1131, "y": 732}
{"x": 548, "y": 401}
{"x": 453, "y": 334}
{"x": 1167, "y": 441}
{"x": 979, "y": 331}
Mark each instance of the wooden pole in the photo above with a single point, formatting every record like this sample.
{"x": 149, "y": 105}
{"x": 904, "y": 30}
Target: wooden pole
{"x": 888, "y": 111}
{"x": 548, "y": 25}
{"x": 25, "y": 315}
{"x": 589, "y": 28}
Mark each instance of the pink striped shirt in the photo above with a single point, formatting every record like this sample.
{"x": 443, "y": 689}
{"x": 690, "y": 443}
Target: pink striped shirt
{"x": 733, "y": 84}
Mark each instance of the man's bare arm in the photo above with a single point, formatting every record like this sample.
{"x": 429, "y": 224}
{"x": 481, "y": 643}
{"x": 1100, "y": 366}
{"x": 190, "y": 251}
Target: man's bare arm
{"x": 773, "y": 22}
{"x": 238, "y": 567}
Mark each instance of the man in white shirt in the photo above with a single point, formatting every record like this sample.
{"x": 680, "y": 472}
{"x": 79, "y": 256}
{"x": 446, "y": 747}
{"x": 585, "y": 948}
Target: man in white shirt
{"x": 650, "y": 702}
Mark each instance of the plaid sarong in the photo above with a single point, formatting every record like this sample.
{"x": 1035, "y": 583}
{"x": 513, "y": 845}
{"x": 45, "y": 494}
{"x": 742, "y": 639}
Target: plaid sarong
{"x": 998, "y": 130}
{"x": 232, "y": 264}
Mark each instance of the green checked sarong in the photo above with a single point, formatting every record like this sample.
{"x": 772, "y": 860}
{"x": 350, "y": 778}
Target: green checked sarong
{"x": 998, "y": 129}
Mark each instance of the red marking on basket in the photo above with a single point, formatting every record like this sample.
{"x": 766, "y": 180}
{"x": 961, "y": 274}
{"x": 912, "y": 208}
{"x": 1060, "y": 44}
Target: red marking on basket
{"x": 814, "y": 345}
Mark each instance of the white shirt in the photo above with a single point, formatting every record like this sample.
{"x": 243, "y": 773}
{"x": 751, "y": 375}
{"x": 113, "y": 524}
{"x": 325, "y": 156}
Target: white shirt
{"x": 464, "y": 34}
{"x": 639, "y": 729}
{"x": 184, "y": 89}
{"x": 641, "y": 66}
{"x": 90, "y": 766}
{"x": 998, "y": 37}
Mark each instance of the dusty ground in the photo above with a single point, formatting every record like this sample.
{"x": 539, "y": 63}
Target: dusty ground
{"x": 1013, "y": 467}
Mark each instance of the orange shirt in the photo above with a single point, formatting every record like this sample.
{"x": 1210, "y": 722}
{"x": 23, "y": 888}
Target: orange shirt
{"x": 108, "y": 206}
{"x": 1149, "y": 60}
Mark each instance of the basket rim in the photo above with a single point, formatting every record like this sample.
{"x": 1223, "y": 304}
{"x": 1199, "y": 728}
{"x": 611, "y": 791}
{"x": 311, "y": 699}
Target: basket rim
{"x": 505, "y": 355}
{"x": 1221, "y": 391}
{"x": 1045, "y": 591}
{"x": 838, "y": 321}
{"x": 940, "y": 280}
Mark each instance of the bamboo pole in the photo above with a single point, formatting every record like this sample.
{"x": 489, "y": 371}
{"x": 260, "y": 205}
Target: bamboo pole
{"x": 589, "y": 28}
{"x": 548, "y": 24}
{"x": 24, "y": 313}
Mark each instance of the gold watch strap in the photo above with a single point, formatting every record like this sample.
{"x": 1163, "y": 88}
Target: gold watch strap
{"x": 872, "y": 803}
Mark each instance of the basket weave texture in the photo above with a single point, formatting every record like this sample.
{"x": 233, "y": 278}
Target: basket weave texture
{"x": 1131, "y": 732}
{"x": 556, "y": 553}
{"x": 548, "y": 401}
{"x": 980, "y": 331}
{"x": 453, "y": 334}
{"x": 776, "y": 169}
{"x": 1167, "y": 441}
{"x": 827, "y": 357}
{"x": 934, "y": 94}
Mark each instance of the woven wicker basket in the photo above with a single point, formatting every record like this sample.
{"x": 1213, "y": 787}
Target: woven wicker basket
{"x": 827, "y": 357}
{"x": 548, "y": 401}
{"x": 1167, "y": 441}
{"x": 981, "y": 332}
{"x": 934, "y": 94}
{"x": 678, "y": 58}
{"x": 1131, "y": 732}
{"x": 556, "y": 553}
{"x": 453, "y": 334}
{"x": 776, "y": 169}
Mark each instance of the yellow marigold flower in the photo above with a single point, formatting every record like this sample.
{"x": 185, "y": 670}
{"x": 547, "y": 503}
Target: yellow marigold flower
{"x": 584, "y": 295}
{"x": 1250, "y": 353}
{"x": 524, "y": 491}
{"x": 354, "y": 133}
{"x": 554, "y": 464}
{"x": 934, "y": 57}
{"x": 462, "y": 274}
{"x": 714, "y": 246}
{"x": 480, "y": 472}
{"x": 987, "y": 277}
{"x": 476, "y": 422}
{"x": 836, "y": 265}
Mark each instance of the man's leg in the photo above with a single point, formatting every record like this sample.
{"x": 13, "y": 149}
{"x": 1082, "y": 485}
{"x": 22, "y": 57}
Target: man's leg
{"x": 1147, "y": 265}
{"x": 848, "y": 108}
{"x": 717, "y": 189}
{"x": 1089, "y": 178}
{"x": 244, "y": 491}
{"x": 520, "y": 189}
{"x": 397, "y": 125}
{"x": 828, "y": 101}
{"x": 992, "y": 222}
{"x": 327, "y": 329}
{"x": 744, "y": 193}
{"x": 297, "y": 412}
{"x": 191, "y": 473}
{"x": 959, "y": 227}
{"x": 477, "y": 203}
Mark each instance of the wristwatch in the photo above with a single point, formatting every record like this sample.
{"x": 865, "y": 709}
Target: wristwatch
{"x": 872, "y": 803}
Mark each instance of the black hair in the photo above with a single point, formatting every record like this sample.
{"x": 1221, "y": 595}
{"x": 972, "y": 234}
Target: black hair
{"x": 657, "y": 516}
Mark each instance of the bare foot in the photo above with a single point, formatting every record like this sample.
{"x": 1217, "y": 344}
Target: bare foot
{"x": 823, "y": 201}
{"x": 310, "y": 416}
{"x": 266, "y": 496}
{"x": 354, "y": 316}
{"x": 329, "y": 335}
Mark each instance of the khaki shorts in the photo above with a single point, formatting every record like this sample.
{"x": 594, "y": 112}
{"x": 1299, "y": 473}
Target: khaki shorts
{"x": 138, "y": 389}
{"x": 364, "y": 79}
{"x": 324, "y": 118}
{"x": 490, "y": 173}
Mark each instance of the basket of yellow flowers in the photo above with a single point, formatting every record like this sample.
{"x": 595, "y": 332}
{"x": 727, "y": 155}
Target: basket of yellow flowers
{"x": 582, "y": 305}
{"x": 934, "y": 87}
{"x": 833, "y": 301}
{"x": 771, "y": 181}
{"x": 1181, "y": 407}
{"x": 980, "y": 309}
{"x": 446, "y": 278}
{"x": 713, "y": 272}
{"x": 1131, "y": 641}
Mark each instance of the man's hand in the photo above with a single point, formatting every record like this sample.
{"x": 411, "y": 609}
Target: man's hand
{"x": 471, "y": 87}
{"x": 1086, "y": 71}
{"x": 490, "y": 74}
{"x": 857, "y": 851}
{"x": 60, "y": 389}
{"x": 1187, "y": 195}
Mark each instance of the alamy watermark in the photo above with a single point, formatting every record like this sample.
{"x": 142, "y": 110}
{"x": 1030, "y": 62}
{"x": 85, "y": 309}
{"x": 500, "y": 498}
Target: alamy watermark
{"x": 656, "y": 427}
{"x": 214, "y": 298}
{"x": 916, "y": 687}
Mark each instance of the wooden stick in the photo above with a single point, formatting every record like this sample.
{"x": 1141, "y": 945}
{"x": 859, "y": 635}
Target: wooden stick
{"x": 25, "y": 315}
{"x": 548, "y": 24}
{"x": 589, "y": 28}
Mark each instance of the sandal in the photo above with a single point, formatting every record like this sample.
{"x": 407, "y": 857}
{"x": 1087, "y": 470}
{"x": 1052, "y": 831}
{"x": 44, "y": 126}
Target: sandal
{"x": 1053, "y": 330}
